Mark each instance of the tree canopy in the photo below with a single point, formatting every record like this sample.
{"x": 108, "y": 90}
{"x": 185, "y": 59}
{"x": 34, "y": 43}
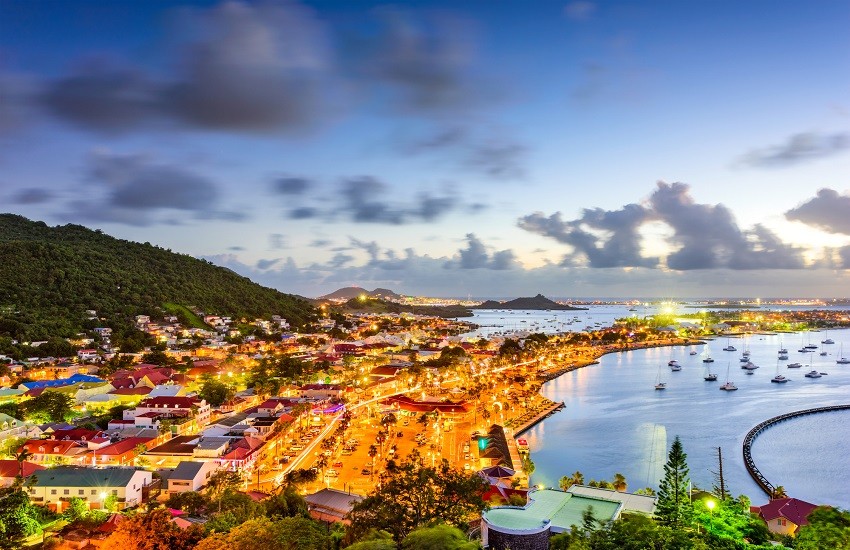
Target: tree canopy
{"x": 674, "y": 503}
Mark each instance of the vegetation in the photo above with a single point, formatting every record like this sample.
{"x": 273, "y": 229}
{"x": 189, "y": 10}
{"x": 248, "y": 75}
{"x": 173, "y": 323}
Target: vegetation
{"x": 50, "y": 276}
{"x": 674, "y": 503}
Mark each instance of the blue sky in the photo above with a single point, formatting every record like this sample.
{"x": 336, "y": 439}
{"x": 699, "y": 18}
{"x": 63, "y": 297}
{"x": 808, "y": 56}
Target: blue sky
{"x": 485, "y": 148}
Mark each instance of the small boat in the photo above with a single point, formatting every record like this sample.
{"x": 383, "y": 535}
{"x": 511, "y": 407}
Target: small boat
{"x": 710, "y": 377}
{"x": 827, "y": 341}
{"x": 672, "y": 363}
{"x": 779, "y": 379}
{"x": 750, "y": 366}
{"x": 843, "y": 360}
{"x": 794, "y": 365}
{"x": 805, "y": 350}
{"x": 746, "y": 353}
{"x": 823, "y": 354}
{"x": 692, "y": 352}
{"x": 728, "y": 386}
{"x": 811, "y": 346}
{"x": 783, "y": 357}
{"x": 812, "y": 374}
{"x": 708, "y": 360}
{"x": 676, "y": 367}
{"x": 661, "y": 386}
{"x": 729, "y": 347}
{"x": 750, "y": 372}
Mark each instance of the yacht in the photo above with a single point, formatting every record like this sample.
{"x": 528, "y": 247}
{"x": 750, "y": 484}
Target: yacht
{"x": 692, "y": 352}
{"x": 779, "y": 379}
{"x": 794, "y": 365}
{"x": 728, "y": 386}
{"x": 676, "y": 368}
{"x": 783, "y": 356}
{"x": 812, "y": 374}
{"x": 745, "y": 359}
{"x": 842, "y": 360}
{"x": 729, "y": 347}
{"x": 823, "y": 354}
{"x": 709, "y": 376}
{"x": 708, "y": 360}
{"x": 672, "y": 363}
{"x": 828, "y": 340}
{"x": 750, "y": 367}
{"x": 661, "y": 386}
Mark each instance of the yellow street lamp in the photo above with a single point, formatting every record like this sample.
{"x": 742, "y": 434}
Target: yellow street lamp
{"x": 710, "y": 505}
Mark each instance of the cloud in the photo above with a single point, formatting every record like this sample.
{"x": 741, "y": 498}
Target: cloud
{"x": 277, "y": 241}
{"x": 703, "y": 236}
{"x": 798, "y": 148}
{"x": 580, "y": 10}
{"x": 363, "y": 200}
{"x": 499, "y": 159}
{"x": 236, "y": 248}
{"x": 302, "y": 213}
{"x": 291, "y": 186}
{"x": 266, "y": 264}
{"x": 32, "y": 195}
{"x": 828, "y": 210}
{"x": 844, "y": 254}
{"x": 134, "y": 189}
{"x": 618, "y": 247}
{"x": 243, "y": 68}
{"x": 321, "y": 243}
{"x": 475, "y": 256}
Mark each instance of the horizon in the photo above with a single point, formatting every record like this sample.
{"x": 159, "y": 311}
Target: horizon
{"x": 586, "y": 148}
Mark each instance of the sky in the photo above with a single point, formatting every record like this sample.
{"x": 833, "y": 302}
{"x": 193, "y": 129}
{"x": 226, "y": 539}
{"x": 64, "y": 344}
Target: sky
{"x": 489, "y": 148}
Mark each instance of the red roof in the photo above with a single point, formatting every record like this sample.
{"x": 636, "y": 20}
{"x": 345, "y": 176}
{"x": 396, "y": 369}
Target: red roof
{"x": 141, "y": 390}
{"x": 77, "y": 434}
{"x": 50, "y": 447}
{"x": 11, "y": 468}
{"x": 328, "y": 387}
{"x": 123, "y": 446}
{"x": 792, "y": 509}
{"x": 171, "y": 402}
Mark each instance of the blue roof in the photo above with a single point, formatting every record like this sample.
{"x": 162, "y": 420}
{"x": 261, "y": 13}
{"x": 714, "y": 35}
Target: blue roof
{"x": 75, "y": 379}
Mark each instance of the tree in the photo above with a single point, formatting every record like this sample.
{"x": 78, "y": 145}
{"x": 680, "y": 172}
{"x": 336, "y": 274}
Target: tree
{"x": 220, "y": 482}
{"x": 18, "y": 517}
{"x": 191, "y": 502}
{"x": 22, "y": 457}
{"x": 828, "y": 528}
{"x": 286, "y": 503}
{"x": 779, "y": 492}
{"x": 413, "y": 495}
{"x": 50, "y": 406}
{"x": 284, "y": 534}
{"x": 674, "y": 504}
{"x": 565, "y": 483}
{"x": 152, "y": 531}
{"x": 439, "y": 537}
{"x": 578, "y": 478}
{"x": 214, "y": 392}
{"x": 619, "y": 483}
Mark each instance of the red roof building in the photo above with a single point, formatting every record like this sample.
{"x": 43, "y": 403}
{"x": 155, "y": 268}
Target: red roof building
{"x": 10, "y": 469}
{"x": 784, "y": 515}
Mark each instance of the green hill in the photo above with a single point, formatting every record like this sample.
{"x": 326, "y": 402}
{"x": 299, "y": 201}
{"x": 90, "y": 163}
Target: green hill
{"x": 50, "y": 276}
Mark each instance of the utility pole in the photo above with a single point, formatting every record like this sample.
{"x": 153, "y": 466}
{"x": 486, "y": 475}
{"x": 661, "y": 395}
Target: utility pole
{"x": 720, "y": 480}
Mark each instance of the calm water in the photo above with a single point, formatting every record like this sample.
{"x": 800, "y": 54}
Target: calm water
{"x": 615, "y": 421}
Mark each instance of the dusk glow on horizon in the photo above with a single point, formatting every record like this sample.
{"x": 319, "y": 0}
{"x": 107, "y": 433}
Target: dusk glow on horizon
{"x": 444, "y": 148}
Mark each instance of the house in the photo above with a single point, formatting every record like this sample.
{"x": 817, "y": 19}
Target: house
{"x": 10, "y": 469}
{"x": 190, "y": 476}
{"x": 321, "y": 391}
{"x": 120, "y": 453}
{"x": 12, "y": 427}
{"x": 784, "y": 516}
{"x": 331, "y": 505}
{"x": 193, "y": 407}
{"x": 56, "y": 486}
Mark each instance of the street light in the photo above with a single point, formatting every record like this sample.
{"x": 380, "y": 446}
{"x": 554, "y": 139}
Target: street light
{"x": 710, "y": 505}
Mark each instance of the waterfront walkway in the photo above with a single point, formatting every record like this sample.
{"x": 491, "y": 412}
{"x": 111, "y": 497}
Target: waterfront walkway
{"x": 754, "y": 472}
{"x": 529, "y": 419}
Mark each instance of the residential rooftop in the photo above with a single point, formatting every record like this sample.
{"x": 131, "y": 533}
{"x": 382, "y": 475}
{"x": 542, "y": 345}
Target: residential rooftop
{"x": 550, "y": 508}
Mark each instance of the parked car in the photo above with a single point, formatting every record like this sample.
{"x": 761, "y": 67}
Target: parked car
{"x": 332, "y": 473}
{"x": 337, "y": 464}
{"x": 365, "y": 471}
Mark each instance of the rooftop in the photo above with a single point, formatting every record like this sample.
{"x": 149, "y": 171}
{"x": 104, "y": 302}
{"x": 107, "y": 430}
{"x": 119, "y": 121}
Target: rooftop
{"x": 548, "y": 507}
{"x": 69, "y": 476}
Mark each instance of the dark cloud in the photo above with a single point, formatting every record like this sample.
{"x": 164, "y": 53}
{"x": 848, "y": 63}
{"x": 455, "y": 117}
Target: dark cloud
{"x": 244, "y": 68}
{"x": 340, "y": 259}
{"x": 135, "y": 189}
{"x": 828, "y": 211}
{"x": 291, "y": 186}
{"x": 364, "y": 200}
{"x": 302, "y": 213}
{"x": 476, "y": 256}
{"x": 103, "y": 96}
{"x": 797, "y": 148}
{"x": 704, "y": 236}
{"x": 321, "y": 243}
{"x": 620, "y": 247}
{"x": 266, "y": 264}
{"x": 32, "y": 195}
{"x": 236, "y": 248}
{"x": 499, "y": 160}
{"x": 277, "y": 241}
{"x": 844, "y": 254}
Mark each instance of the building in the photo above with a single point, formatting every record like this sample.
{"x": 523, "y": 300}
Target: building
{"x": 190, "y": 476}
{"x": 10, "y": 469}
{"x": 331, "y": 505}
{"x": 784, "y": 516}
{"x": 55, "y": 487}
{"x": 548, "y": 512}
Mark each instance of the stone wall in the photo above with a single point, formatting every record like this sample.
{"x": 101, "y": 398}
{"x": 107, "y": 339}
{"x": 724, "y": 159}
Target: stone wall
{"x": 504, "y": 541}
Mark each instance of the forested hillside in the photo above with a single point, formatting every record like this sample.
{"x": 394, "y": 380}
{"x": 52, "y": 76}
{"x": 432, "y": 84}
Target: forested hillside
{"x": 50, "y": 276}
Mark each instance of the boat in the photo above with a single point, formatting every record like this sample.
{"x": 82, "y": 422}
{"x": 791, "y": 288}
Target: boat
{"x": 708, "y": 360}
{"x": 827, "y": 340}
{"x": 823, "y": 354}
{"x": 794, "y": 365}
{"x": 745, "y": 359}
{"x": 783, "y": 357}
{"x": 676, "y": 367}
{"x": 672, "y": 363}
{"x": 750, "y": 367}
{"x": 659, "y": 385}
{"x": 782, "y": 350}
{"x": 729, "y": 347}
{"x": 746, "y": 353}
{"x": 812, "y": 374}
{"x": 842, "y": 360}
{"x": 692, "y": 352}
{"x": 728, "y": 386}
{"x": 779, "y": 379}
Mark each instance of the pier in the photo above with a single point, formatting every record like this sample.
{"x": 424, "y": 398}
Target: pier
{"x": 551, "y": 409}
{"x": 754, "y": 472}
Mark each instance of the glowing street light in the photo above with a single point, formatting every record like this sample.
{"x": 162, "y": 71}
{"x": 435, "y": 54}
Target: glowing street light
{"x": 710, "y": 505}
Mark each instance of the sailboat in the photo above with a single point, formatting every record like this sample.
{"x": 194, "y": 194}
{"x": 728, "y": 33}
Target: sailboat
{"x": 842, "y": 360}
{"x": 779, "y": 379}
{"x": 782, "y": 350}
{"x": 707, "y": 354}
{"x": 709, "y": 376}
{"x": 659, "y": 385}
{"x": 729, "y": 346}
{"x": 728, "y": 386}
{"x": 827, "y": 340}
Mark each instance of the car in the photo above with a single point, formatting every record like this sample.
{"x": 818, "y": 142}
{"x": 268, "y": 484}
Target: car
{"x": 297, "y": 448}
{"x": 365, "y": 471}
{"x": 332, "y": 473}
{"x": 400, "y": 435}
{"x": 406, "y": 423}
{"x": 337, "y": 464}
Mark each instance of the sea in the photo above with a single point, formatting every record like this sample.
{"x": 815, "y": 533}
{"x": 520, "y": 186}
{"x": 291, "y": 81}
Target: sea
{"x": 616, "y": 422}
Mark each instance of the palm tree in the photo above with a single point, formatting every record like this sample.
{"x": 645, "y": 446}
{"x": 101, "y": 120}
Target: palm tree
{"x": 21, "y": 457}
{"x": 779, "y": 492}
{"x": 578, "y": 478}
{"x": 565, "y": 482}
{"x": 619, "y": 482}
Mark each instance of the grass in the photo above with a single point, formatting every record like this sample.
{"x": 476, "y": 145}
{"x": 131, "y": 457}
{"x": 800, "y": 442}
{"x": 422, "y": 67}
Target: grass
{"x": 186, "y": 316}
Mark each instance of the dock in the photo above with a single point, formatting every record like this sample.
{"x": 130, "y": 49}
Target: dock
{"x": 754, "y": 472}
{"x": 527, "y": 424}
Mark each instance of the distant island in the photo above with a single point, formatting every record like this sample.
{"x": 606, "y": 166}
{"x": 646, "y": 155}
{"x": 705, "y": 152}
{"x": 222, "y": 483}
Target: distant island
{"x": 350, "y": 292}
{"x": 378, "y": 306}
{"x": 537, "y": 302}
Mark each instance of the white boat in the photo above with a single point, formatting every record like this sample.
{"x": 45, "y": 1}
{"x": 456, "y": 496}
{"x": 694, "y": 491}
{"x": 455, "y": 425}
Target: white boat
{"x": 778, "y": 379}
{"x": 745, "y": 359}
{"x": 812, "y": 374}
{"x": 827, "y": 340}
{"x": 728, "y": 386}
{"x": 676, "y": 368}
{"x": 794, "y": 365}
{"x": 783, "y": 357}
{"x": 692, "y": 352}
{"x": 659, "y": 385}
{"x": 729, "y": 347}
{"x": 708, "y": 360}
{"x": 750, "y": 367}
{"x": 672, "y": 363}
{"x": 842, "y": 360}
